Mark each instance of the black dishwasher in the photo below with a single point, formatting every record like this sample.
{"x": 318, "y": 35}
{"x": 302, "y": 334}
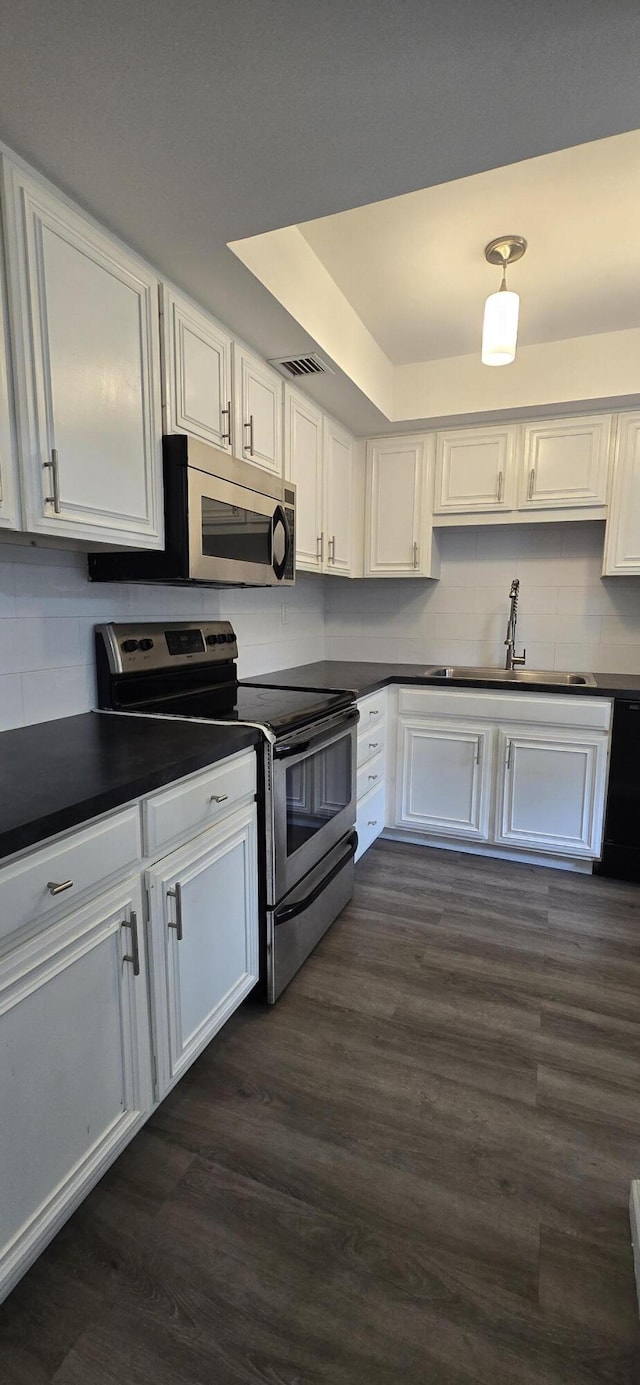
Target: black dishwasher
{"x": 621, "y": 850}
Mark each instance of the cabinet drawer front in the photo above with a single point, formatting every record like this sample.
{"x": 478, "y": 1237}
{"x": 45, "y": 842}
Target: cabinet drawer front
{"x": 545, "y": 709}
{"x": 370, "y": 775}
{"x": 370, "y": 820}
{"x": 372, "y": 710}
{"x": 372, "y": 743}
{"x": 195, "y": 804}
{"x": 81, "y": 863}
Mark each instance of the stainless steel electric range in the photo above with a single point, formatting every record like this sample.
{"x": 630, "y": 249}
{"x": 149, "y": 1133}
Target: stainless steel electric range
{"x": 307, "y": 796}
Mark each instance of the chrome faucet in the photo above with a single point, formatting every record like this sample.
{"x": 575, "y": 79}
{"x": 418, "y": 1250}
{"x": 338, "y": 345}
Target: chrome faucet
{"x": 513, "y": 660}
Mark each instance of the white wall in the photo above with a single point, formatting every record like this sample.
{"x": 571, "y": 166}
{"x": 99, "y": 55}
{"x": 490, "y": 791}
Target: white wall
{"x": 48, "y": 609}
{"x": 569, "y": 617}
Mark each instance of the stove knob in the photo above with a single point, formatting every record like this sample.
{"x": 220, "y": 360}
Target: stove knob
{"x": 230, "y": 638}
{"x": 212, "y": 639}
{"x": 146, "y": 644}
{"x": 129, "y": 646}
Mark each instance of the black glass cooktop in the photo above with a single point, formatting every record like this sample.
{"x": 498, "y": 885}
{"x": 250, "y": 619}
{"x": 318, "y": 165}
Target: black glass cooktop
{"x": 280, "y": 709}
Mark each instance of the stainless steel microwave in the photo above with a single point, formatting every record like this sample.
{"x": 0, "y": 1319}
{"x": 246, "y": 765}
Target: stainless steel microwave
{"x": 226, "y": 522}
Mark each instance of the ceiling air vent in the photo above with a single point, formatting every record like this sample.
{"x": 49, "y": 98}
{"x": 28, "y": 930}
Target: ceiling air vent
{"x": 296, "y": 366}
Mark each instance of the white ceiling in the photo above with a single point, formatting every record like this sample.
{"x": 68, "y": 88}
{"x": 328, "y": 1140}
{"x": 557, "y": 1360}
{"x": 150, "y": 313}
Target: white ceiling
{"x": 185, "y": 126}
{"x": 413, "y": 267}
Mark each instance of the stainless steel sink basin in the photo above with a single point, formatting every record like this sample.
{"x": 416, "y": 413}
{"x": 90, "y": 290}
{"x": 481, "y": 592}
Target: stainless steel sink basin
{"x": 516, "y": 675}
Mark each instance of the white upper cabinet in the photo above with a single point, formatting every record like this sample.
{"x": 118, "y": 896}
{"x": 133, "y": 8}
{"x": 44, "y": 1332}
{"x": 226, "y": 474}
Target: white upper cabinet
{"x": 398, "y": 534}
{"x": 196, "y": 372}
{"x": 84, "y": 319}
{"x": 622, "y": 542}
{"x": 258, "y": 411}
{"x": 475, "y": 470}
{"x": 565, "y": 463}
{"x": 338, "y": 499}
{"x": 304, "y": 465}
{"x": 9, "y": 507}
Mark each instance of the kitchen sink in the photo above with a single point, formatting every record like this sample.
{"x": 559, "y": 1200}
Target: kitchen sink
{"x": 516, "y": 675}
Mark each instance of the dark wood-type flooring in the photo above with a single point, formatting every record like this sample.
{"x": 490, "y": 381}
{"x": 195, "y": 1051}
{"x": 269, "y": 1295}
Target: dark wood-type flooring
{"x": 415, "y": 1168}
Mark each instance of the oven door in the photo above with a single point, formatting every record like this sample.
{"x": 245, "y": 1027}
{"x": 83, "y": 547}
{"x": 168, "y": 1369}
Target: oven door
{"x": 237, "y": 535}
{"x": 314, "y": 795}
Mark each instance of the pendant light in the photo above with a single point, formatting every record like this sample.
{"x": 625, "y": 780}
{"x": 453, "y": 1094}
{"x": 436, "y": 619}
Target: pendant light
{"x": 500, "y": 325}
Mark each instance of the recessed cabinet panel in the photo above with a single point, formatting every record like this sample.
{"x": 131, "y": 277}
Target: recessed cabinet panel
{"x": 444, "y": 779}
{"x": 258, "y": 411}
{"x": 552, "y": 792}
{"x": 197, "y": 372}
{"x": 204, "y": 920}
{"x": 75, "y": 1079}
{"x": 622, "y": 541}
{"x": 565, "y": 463}
{"x": 398, "y": 485}
{"x": 304, "y": 466}
{"x": 338, "y": 499}
{"x": 474, "y": 470}
{"x": 85, "y": 327}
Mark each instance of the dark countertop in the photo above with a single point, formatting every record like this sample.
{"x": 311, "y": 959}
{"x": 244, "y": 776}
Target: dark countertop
{"x": 59, "y": 774}
{"x": 339, "y": 674}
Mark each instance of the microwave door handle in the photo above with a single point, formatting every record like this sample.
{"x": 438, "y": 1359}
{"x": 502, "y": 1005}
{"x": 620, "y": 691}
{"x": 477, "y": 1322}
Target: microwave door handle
{"x": 280, "y": 517}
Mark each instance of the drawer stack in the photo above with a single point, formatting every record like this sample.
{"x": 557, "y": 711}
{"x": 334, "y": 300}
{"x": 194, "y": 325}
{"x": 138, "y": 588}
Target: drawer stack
{"x": 372, "y": 736}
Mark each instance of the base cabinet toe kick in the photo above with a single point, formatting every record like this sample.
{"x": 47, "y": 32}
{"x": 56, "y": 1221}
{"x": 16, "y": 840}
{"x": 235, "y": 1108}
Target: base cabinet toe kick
{"x": 518, "y": 775}
{"x": 112, "y": 986}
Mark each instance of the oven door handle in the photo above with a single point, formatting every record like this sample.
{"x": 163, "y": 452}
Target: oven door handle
{"x": 291, "y": 911}
{"x": 330, "y": 731}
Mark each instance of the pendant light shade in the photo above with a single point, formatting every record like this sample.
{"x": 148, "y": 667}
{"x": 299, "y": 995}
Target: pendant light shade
{"x": 500, "y": 328}
{"x": 501, "y": 310}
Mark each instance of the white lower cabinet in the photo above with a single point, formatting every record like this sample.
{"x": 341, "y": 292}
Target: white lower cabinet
{"x": 371, "y": 770}
{"x": 204, "y": 932}
{"x": 445, "y": 778}
{"x": 551, "y": 791}
{"x": 520, "y": 771}
{"x": 75, "y": 1078}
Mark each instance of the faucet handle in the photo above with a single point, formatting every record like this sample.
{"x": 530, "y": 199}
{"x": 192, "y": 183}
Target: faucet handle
{"x": 519, "y": 660}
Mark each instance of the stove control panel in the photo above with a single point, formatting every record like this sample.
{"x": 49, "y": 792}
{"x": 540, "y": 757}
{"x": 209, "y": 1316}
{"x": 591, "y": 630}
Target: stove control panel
{"x": 174, "y": 644}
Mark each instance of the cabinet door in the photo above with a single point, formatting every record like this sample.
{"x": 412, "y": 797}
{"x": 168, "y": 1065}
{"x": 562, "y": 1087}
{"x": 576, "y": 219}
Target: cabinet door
{"x": 196, "y": 372}
{"x": 398, "y": 508}
{"x": 204, "y": 924}
{"x": 474, "y": 470}
{"x": 338, "y": 499}
{"x": 75, "y": 1078}
{"x": 444, "y": 778}
{"x": 565, "y": 463}
{"x": 622, "y": 540}
{"x": 258, "y": 411}
{"x": 9, "y": 508}
{"x": 85, "y": 328}
{"x": 551, "y": 791}
{"x": 303, "y": 463}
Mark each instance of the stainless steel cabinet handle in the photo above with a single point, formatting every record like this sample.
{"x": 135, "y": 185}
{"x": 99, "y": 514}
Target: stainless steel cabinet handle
{"x": 54, "y": 888}
{"x": 373, "y": 822}
{"x": 532, "y": 477}
{"x": 416, "y": 552}
{"x": 176, "y": 893}
{"x": 508, "y": 759}
{"x": 218, "y": 798}
{"x": 373, "y": 745}
{"x": 134, "y": 955}
{"x": 374, "y": 713}
{"x": 226, "y": 436}
{"x": 248, "y": 447}
{"x": 332, "y": 549}
{"x": 320, "y": 547}
{"x": 500, "y": 484}
{"x": 478, "y": 751}
{"x": 373, "y": 776}
{"x": 55, "y": 481}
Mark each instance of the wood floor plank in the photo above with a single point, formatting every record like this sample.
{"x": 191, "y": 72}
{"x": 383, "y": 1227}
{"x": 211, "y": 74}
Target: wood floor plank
{"x": 416, "y": 1166}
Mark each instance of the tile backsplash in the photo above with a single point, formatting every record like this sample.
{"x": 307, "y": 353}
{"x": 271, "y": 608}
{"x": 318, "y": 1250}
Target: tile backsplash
{"x": 569, "y": 617}
{"x": 48, "y": 609}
